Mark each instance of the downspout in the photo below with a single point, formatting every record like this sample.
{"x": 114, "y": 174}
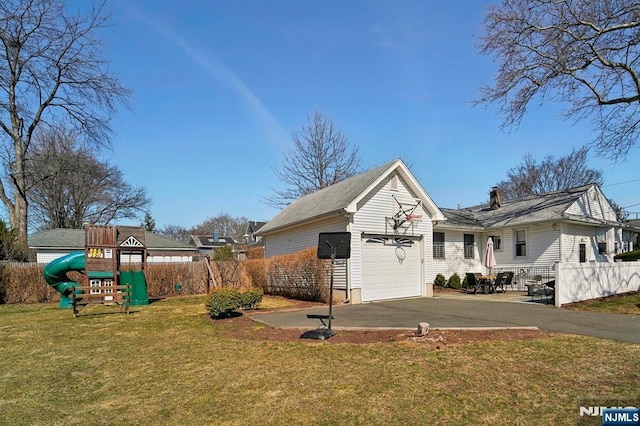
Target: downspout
{"x": 347, "y": 290}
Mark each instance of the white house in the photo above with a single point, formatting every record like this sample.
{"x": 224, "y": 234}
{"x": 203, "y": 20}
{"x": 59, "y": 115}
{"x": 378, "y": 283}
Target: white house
{"x": 390, "y": 218}
{"x": 576, "y": 225}
{"x": 400, "y": 240}
{"x": 54, "y": 243}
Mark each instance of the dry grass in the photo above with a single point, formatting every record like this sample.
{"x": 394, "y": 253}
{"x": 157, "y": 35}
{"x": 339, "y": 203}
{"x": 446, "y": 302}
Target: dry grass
{"x": 628, "y": 303}
{"x": 167, "y": 363}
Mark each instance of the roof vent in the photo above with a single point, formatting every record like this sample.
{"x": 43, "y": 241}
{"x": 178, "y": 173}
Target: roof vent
{"x": 494, "y": 198}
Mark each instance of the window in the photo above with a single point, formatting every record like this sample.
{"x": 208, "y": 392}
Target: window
{"x": 601, "y": 239}
{"x": 438, "y": 245}
{"x": 521, "y": 243}
{"x": 469, "y": 240}
{"x": 583, "y": 253}
{"x": 393, "y": 183}
{"x": 497, "y": 242}
{"x": 95, "y": 284}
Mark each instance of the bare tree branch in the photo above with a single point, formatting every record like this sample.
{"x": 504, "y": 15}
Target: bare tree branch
{"x": 52, "y": 71}
{"x": 582, "y": 53}
{"x": 320, "y": 156}
{"x": 533, "y": 178}
{"x": 68, "y": 185}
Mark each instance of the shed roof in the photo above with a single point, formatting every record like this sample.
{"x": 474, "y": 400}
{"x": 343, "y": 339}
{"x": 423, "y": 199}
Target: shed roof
{"x": 343, "y": 196}
{"x": 74, "y": 239}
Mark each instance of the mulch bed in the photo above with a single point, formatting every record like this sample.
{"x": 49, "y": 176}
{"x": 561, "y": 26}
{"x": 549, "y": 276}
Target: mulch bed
{"x": 242, "y": 327}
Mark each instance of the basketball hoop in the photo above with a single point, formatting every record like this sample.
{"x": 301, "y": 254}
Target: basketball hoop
{"x": 405, "y": 213}
{"x": 414, "y": 217}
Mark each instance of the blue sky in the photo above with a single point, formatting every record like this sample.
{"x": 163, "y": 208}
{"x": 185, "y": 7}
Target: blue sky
{"x": 219, "y": 86}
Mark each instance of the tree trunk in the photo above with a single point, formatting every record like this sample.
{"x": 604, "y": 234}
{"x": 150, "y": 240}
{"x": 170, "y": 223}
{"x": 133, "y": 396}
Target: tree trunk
{"x": 18, "y": 222}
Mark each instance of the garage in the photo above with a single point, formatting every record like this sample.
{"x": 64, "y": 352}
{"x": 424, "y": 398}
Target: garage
{"x": 390, "y": 268}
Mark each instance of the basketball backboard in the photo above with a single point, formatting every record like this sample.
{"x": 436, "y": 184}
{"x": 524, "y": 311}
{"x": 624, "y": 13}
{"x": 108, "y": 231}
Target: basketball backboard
{"x": 336, "y": 245}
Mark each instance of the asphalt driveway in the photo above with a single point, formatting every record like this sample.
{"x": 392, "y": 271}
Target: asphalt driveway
{"x": 452, "y": 313}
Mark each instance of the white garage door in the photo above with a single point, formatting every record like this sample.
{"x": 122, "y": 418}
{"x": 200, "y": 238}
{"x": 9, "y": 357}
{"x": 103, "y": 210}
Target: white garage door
{"x": 390, "y": 268}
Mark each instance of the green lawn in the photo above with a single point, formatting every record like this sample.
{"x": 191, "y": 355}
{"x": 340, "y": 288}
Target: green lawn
{"x": 167, "y": 364}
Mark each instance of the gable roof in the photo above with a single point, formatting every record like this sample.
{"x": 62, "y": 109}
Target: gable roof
{"x": 207, "y": 241}
{"x": 344, "y": 196}
{"x": 254, "y": 226}
{"x": 74, "y": 239}
{"x": 533, "y": 209}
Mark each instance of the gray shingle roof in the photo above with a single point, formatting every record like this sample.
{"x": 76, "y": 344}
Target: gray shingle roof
{"x": 536, "y": 208}
{"x": 328, "y": 200}
{"x": 74, "y": 239}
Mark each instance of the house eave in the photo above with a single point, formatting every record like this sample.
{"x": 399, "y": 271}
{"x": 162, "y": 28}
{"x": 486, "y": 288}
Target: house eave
{"x": 324, "y": 216}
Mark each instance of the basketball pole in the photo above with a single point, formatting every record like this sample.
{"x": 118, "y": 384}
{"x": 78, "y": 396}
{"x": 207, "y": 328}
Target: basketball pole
{"x": 334, "y": 250}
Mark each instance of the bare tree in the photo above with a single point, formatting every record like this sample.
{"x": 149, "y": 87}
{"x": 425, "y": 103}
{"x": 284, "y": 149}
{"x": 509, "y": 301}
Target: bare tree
{"x": 51, "y": 70}
{"x": 532, "y": 177}
{"x": 225, "y": 224}
{"x": 177, "y": 232}
{"x": 584, "y": 53}
{"x": 320, "y": 156}
{"x": 68, "y": 186}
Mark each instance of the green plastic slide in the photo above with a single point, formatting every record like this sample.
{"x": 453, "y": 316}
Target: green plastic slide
{"x": 55, "y": 274}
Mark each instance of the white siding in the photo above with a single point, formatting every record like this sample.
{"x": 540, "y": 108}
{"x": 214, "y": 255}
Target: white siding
{"x": 302, "y": 237}
{"x": 373, "y": 217}
{"x": 574, "y": 235}
{"x": 543, "y": 248}
{"x": 592, "y": 204}
{"x": 543, "y": 245}
{"x": 169, "y": 259}
{"x": 454, "y": 261}
{"x": 48, "y": 256}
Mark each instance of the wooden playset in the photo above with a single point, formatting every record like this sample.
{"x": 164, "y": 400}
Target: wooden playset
{"x": 105, "y": 281}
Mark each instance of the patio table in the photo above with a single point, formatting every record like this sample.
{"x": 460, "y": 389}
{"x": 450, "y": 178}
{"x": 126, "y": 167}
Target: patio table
{"x": 487, "y": 282}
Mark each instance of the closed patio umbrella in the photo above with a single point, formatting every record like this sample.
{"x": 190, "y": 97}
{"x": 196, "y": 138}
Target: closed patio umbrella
{"x": 489, "y": 258}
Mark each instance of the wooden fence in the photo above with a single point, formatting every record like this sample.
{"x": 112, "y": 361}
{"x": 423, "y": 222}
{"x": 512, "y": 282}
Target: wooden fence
{"x": 300, "y": 275}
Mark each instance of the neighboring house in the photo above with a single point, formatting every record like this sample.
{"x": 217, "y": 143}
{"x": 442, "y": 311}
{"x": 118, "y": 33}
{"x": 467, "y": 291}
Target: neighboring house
{"x": 390, "y": 255}
{"x": 207, "y": 244}
{"x": 630, "y": 240}
{"x": 576, "y": 225}
{"x": 55, "y": 243}
{"x": 250, "y": 236}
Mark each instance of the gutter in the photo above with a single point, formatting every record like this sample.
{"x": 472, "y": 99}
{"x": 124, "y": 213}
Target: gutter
{"x": 301, "y": 222}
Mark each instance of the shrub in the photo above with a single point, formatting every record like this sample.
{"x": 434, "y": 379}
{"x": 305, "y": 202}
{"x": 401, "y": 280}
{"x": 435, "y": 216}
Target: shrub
{"x": 300, "y": 275}
{"x": 223, "y": 302}
{"x": 223, "y": 253}
{"x": 465, "y": 283}
{"x": 454, "y": 281}
{"x": 252, "y": 298}
{"x": 440, "y": 280}
{"x": 628, "y": 256}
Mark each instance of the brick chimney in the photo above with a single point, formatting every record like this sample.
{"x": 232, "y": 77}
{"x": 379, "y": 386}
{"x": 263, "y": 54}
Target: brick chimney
{"x": 494, "y": 198}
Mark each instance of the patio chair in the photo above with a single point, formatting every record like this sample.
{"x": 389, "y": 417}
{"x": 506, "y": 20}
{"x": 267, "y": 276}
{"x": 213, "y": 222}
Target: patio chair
{"x": 472, "y": 282}
{"x": 501, "y": 277}
{"x": 508, "y": 280}
{"x": 546, "y": 290}
{"x": 533, "y": 284}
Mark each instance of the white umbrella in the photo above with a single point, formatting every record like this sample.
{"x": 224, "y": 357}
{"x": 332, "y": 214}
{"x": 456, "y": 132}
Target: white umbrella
{"x": 489, "y": 258}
